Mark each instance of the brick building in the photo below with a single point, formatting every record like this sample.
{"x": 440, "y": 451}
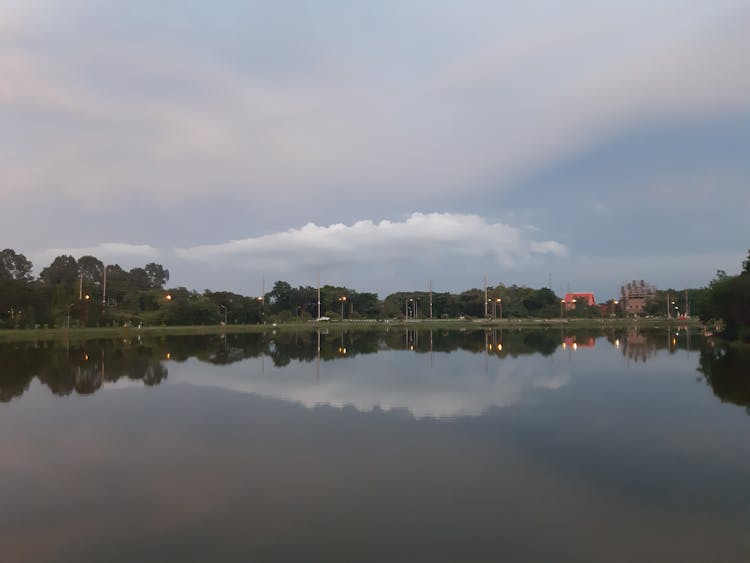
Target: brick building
{"x": 573, "y": 299}
{"x": 634, "y": 296}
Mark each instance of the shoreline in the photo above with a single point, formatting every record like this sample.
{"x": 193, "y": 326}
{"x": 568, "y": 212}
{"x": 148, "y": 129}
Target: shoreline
{"x": 86, "y": 333}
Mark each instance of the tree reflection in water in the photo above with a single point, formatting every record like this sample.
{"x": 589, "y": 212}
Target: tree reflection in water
{"x": 84, "y": 367}
{"x": 726, "y": 369}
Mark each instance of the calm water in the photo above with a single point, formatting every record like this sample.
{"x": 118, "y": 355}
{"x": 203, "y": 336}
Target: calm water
{"x": 375, "y": 446}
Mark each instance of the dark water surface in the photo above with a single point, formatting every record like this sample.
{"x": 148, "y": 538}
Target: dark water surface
{"x": 375, "y": 446}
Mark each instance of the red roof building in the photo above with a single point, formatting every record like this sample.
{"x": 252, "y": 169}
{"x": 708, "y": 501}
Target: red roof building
{"x": 573, "y": 299}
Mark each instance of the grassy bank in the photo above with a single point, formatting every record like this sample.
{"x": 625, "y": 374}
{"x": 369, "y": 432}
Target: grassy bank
{"x": 129, "y": 332}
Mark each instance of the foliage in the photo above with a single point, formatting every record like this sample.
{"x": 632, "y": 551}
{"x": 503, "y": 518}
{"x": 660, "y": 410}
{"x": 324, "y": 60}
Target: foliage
{"x": 725, "y": 369}
{"x": 110, "y": 295}
{"x": 14, "y": 266}
{"x": 728, "y": 299}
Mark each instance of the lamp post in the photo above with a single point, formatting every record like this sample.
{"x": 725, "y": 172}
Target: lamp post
{"x": 614, "y": 304}
{"x": 343, "y": 300}
{"x": 104, "y": 287}
{"x": 225, "y": 313}
{"x": 499, "y": 301}
{"x": 494, "y": 306}
{"x": 562, "y": 302}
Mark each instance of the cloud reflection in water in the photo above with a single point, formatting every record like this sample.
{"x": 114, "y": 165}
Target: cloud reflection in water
{"x": 455, "y": 385}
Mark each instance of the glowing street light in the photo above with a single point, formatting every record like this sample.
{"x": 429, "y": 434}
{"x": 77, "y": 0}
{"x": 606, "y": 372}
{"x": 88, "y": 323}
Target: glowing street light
{"x": 343, "y": 300}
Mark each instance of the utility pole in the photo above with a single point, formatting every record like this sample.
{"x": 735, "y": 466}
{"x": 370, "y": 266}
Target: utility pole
{"x": 430, "y": 299}
{"x": 104, "y": 288}
{"x": 318, "y": 303}
{"x": 485, "y": 296}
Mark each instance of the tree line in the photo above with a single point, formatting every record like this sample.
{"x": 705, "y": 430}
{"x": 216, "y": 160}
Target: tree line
{"x": 86, "y": 292}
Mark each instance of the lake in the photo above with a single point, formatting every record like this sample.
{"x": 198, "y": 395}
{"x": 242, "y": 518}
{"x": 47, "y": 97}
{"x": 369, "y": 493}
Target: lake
{"x": 375, "y": 445}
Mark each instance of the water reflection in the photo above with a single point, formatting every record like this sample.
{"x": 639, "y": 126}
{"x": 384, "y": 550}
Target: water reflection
{"x": 451, "y": 387}
{"x": 78, "y": 368}
{"x": 438, "y": 389}
{"x": 727, "y": 371}
{"x": 596, "y": 450}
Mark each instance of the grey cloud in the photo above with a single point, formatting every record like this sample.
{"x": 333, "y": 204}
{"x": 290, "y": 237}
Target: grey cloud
{"x": 349, "y": 124}
{"x": 109, "y": 252}
{"x": 342, "y": 130}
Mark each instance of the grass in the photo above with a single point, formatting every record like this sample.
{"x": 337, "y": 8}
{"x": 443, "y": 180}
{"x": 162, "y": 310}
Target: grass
{"x": 441, "y": 324}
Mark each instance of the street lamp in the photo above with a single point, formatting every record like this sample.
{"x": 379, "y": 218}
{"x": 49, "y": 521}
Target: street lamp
{"x": 614, "y": 304}
{"x": 225, "y": 313}
{"x": 343, "y": 300}
{"x": 562, "y": 302}
{"x": 495, "y": 303}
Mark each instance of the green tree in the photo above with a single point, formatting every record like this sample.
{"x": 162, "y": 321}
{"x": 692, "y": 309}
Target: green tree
{"x": 728, "y": 299}
{"x": 92, "y": 269}
{"x": 157, "y": 275}
{"x": 14, "y": 266}
{"x": 280, "y": 297}
{"x": 62, "y": 271}
{"x": 138, "y": 279}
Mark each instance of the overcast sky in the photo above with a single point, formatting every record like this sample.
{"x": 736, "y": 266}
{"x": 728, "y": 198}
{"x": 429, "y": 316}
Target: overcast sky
{"x": 384, "y": 144}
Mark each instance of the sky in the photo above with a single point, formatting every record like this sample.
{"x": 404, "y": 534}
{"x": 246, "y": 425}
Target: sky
{"x": 383, "y": 145}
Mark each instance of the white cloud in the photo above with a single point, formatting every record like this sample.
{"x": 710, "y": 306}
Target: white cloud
{"x": 421, "y": 238}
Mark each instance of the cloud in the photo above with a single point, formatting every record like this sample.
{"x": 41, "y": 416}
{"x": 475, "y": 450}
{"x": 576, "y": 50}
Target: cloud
{"x": 108, "y": 252}
{"x": 420, "y": 238}
{"x": 267, "y": 119}
{"x": 165, "y": 116}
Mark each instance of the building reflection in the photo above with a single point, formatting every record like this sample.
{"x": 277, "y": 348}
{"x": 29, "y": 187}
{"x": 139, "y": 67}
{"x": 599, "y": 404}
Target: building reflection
{"x": 636, "y": 346}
